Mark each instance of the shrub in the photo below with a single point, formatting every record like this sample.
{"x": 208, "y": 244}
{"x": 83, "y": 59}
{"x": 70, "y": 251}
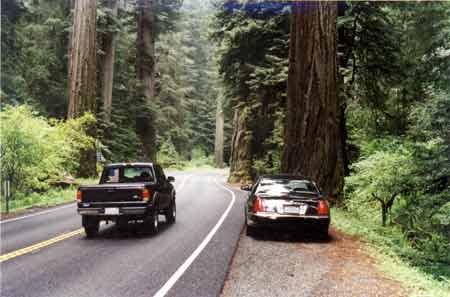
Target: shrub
{"x": 35, "y": 151}
{"x": 380, "y": 179}
{"x": 168, "y": 156}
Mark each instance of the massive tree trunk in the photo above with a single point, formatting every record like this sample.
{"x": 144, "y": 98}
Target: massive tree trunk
{"x": 82, "y": 73}
{"x": 109, "y": 47}
{"x": 241, "y": 144}
{"x": 219, "y": 137}
{"x": 312, "y": 135}
{"x": 146, "y": 74}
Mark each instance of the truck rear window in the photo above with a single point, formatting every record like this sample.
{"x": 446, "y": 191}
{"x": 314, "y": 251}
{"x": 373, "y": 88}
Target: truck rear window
{"x": 128, "y": 175}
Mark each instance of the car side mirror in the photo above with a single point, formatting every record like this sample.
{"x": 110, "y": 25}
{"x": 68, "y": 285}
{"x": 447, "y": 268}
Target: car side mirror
{"x": 246, "y": 188}
{"x": 171, "y": 179}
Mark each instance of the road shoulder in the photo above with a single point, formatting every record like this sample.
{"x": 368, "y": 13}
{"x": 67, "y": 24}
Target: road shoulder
{"x": 283, "y": 264}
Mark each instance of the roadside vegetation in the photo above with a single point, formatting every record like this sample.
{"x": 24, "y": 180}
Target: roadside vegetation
{"x": 418, "y": 270}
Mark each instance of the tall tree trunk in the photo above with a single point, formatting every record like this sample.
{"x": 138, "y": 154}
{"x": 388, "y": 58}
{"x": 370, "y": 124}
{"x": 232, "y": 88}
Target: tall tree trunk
{"x": 146, "y": 74}
{"x": 312, "y": 135}
{"x": 219, "y": 137}
{"x": 109, "y": 47}
{"x": 241, "y": 154}
{"x": 82, "y": 73}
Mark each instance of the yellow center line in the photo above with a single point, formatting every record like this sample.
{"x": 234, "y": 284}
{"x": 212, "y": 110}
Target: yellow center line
{"x": 39, "y": 245}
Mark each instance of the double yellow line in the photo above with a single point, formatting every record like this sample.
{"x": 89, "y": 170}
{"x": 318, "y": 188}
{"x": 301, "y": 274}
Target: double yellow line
{"x": 39, "y": 245}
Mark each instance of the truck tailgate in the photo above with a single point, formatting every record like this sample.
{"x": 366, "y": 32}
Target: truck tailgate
{"x": 112, "y": 193}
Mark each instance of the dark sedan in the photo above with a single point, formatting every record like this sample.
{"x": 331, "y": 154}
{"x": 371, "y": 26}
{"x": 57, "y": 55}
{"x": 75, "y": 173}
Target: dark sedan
{"x": 286, "y": 201}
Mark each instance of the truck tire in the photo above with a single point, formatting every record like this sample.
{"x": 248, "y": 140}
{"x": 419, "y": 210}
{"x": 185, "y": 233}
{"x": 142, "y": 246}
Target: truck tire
{"x": 171, "y": 213}
{"x": 151, "y": 222}
{"x": 91, "y": 226}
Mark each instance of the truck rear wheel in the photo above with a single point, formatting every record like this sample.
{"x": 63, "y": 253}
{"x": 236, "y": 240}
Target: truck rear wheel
{"x": 171, "y": 213}
{"x": 152, "y": 222}
{"x": 91, "y": 226}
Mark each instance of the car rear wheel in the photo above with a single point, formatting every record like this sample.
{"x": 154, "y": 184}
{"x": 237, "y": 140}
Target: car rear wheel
{"x": 171, "y": 213}
{"x": 323, "y": 230}
{"x": 91, "y": 226}
{"x": 251, "y": 231}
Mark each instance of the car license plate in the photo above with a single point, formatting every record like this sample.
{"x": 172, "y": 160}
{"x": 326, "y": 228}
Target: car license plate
{"x": 301, "y": 210}
{"x": 291, "y": 209}
{"x": 111, "y": 211}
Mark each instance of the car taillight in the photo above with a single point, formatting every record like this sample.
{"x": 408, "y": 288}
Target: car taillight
{"x": 258, "y": 205}
{"x": 322, "y": 208}
{"x": 79, "y": 196}
{"x": 145, "y": 195}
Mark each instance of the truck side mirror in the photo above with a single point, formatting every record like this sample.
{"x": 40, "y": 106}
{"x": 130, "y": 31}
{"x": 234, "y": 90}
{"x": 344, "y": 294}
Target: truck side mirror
{"x": 171, "y": 179}
{"x": 247, "y": 188}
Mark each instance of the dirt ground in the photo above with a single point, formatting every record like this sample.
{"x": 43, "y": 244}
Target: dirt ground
{"x": 285, "y": 264}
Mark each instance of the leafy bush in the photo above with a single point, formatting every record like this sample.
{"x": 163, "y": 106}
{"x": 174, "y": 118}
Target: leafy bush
{"x": 168, "y": 156}
{"x": 408, "y": 180}
{"x": 35, "y": 151}
{"x": 379, "y": 178}
{"x": 199, "y": 158}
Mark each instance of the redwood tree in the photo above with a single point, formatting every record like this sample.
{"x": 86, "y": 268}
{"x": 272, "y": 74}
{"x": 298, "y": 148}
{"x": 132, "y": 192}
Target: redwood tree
{"x": 146, "y": 74}
{"x": 219, "y": 136}
{"x": 82, "y": 73}
{"x": 109, "y": 47}
{"x": 312, "y": 136}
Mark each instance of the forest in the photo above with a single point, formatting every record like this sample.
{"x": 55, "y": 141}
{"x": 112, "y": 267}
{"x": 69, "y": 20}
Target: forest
{"x": 355, "y": 95}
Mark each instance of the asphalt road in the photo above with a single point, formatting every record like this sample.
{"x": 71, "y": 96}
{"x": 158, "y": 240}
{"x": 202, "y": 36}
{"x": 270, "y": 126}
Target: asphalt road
{"x": 189, "y": 258}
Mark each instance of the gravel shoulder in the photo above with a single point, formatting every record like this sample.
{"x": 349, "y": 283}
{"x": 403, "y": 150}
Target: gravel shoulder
{"x": 286, "y": 264}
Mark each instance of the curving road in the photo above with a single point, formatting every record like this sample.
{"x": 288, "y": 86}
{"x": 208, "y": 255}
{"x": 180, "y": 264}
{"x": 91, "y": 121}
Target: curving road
{"x": 48, "y": 255}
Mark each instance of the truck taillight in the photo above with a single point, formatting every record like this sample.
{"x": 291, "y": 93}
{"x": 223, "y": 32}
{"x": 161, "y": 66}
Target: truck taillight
{"x": 79, "y": 196}
{"x": 322, "y": 208}
{"x": 258, "y": 205}
{"x": 145, "y": 195}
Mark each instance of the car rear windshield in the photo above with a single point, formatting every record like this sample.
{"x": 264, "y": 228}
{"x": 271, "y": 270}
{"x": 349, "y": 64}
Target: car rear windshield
{"x": 131, "y": 174}
{"x": 283, "y": 186}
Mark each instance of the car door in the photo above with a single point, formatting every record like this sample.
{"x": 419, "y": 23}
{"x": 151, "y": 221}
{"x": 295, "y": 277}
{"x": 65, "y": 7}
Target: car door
{"x": 164, "y": 186}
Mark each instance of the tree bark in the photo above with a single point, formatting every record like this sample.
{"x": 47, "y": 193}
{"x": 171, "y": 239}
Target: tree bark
{"x": 219, "y": 137}
{"x": 312, "y": 135}
{"x": 82, "y": 74}
{"x": 109, "y": 47}
{"x": 241, "y": 154}
{"x": 146, "y": 74}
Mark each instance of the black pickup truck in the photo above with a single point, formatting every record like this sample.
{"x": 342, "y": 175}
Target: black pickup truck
{"x": 127, "y": 192}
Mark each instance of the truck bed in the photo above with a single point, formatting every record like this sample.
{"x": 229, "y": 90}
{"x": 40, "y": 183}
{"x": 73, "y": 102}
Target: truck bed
{"x": 127, "y": 192}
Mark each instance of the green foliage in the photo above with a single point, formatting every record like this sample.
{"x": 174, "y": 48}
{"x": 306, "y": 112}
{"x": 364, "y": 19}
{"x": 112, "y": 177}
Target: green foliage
{"x": 270, "y": 163}
{"x": 52, "y": 197}
{"x": 200, "y": 158}
{"x": 252, "y": 57}
{"x": 395, "y": 70}
{"x": 379, "y": 177}
{"x": 34, "y": 57}
{"x": 36, "y": 151}
{"x": 168, "y": 156}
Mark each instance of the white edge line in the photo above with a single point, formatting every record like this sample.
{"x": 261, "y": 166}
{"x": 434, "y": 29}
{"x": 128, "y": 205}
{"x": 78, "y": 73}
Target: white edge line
{"x": 37, "y": 214}
{"x": 66, "y": 206}
{"x": 173, "y": 279}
